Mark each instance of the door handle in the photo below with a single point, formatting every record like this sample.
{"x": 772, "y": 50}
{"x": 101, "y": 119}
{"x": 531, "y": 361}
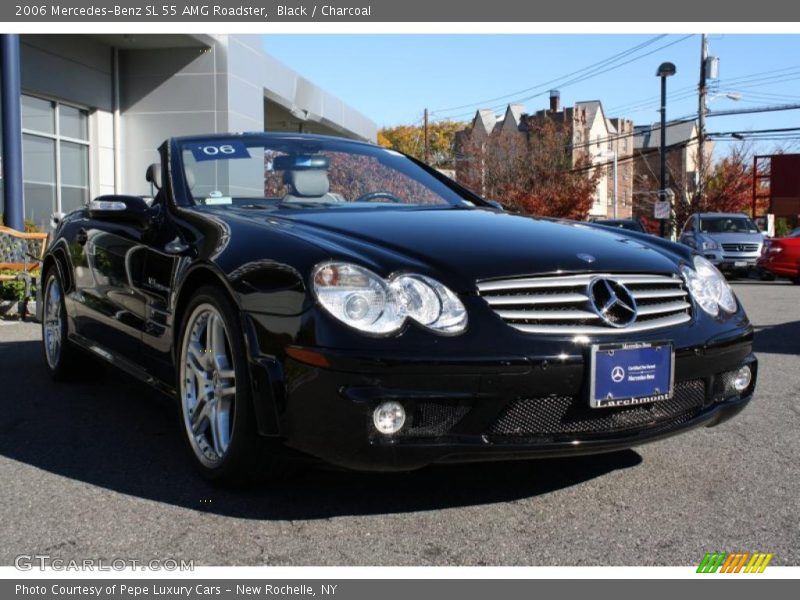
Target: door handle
{"x": 81, "y": 237}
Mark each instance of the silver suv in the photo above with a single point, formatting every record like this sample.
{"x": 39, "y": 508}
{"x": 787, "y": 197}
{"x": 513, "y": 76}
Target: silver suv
{"x": 731, "y": 241}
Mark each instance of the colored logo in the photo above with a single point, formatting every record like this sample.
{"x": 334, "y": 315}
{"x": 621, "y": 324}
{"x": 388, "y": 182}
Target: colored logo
{"x": 736, "y": 562}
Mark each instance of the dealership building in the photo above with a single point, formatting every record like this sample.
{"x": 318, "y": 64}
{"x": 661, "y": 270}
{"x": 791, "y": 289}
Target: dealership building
{"x": 83, "y": 115}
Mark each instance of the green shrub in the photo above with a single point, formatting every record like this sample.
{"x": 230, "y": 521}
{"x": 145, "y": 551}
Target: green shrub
{"x": 30, "y": 226}
{"x": 14, "y": 290}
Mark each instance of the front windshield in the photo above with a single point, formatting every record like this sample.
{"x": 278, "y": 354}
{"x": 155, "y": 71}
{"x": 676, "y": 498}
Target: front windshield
{"x": 727, "y": 225}
{"x": 307, "y": 173}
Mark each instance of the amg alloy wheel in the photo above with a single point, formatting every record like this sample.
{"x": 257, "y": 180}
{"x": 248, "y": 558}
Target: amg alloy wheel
{"x": 60, "y": 355}
{"x": 52, "y": 322}
{"x": 216, "y": 402}
{"x": 208, "y": 385}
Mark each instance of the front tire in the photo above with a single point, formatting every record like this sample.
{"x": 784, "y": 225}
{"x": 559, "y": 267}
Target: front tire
{"x": 60, "y": 356}
{"x": 216, "y": 403}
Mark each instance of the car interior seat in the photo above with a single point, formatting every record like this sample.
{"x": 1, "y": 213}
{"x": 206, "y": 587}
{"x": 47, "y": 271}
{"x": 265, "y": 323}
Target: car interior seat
{"x": 308, "y": 185}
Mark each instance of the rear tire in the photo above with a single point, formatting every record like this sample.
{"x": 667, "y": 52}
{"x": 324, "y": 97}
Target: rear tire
{"x": 765, "y": 275}
{"x": 60, "y": 355}
{"x": 216, "y": 402}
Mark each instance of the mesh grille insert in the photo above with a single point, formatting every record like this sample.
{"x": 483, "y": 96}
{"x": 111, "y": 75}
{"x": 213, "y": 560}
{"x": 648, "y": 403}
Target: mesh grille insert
{"x": 429, "y": 419}
{"x": 565, "y": 415}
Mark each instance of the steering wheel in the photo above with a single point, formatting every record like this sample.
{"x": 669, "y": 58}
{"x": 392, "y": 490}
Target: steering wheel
{"x": 373, "y": 196}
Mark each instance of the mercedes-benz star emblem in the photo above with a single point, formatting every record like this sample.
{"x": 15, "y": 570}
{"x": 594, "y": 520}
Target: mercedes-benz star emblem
{"x": 612, "y": 302}
{"x": 617, "y": 374}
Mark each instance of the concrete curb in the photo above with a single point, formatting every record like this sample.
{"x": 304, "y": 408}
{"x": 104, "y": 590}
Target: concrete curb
{"x": 12, "y": 309}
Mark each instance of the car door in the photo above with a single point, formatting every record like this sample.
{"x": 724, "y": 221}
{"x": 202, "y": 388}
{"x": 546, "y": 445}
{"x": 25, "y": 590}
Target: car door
{"x": 109, "y": 310}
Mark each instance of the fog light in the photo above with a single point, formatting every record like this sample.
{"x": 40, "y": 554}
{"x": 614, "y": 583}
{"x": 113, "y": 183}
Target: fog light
{"x": 389, "y": 417}
{"x": 742, "y": 379}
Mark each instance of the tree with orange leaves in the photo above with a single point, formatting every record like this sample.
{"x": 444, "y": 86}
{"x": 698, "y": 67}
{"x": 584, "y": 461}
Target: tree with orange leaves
{"x": 534, "y": 172}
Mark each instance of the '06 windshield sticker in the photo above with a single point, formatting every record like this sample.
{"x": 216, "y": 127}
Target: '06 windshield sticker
{"x": 211, "y": 151}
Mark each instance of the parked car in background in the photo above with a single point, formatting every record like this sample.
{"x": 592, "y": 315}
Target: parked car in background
{"x": 781, "y": 257}
{"x": 629, "y": 224}
{"x": 730, "y": 241}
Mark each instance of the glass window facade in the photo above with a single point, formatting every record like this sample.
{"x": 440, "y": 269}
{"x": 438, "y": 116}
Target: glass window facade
{"x": 55, "y": 158}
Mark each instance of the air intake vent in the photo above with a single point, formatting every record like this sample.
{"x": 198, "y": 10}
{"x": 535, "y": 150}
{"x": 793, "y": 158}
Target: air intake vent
{"x": 589, "y": 304}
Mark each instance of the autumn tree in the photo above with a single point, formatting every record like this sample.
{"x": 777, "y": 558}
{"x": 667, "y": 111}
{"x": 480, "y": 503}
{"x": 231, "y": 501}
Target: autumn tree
{"x": 729, "y": 185}
{"x": 535, "y": 172}
{"x": 410, "y": 139}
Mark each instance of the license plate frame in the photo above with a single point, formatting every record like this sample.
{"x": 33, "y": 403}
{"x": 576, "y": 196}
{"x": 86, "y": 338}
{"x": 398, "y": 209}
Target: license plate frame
{"x": 641, "y": 389}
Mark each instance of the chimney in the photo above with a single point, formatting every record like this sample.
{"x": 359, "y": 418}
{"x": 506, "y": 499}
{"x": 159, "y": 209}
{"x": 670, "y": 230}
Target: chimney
{"x": 555, "y": 100}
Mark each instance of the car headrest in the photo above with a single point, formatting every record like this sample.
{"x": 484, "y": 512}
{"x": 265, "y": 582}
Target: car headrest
{"x": 309, "y": 183}
{"x": 153, "y": 175}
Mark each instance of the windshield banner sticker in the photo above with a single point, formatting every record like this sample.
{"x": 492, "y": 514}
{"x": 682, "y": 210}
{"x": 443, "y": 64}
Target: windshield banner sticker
{"x": 210, "y": 151}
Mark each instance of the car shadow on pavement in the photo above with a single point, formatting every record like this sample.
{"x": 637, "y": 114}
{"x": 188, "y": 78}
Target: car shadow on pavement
{"x": 112, "y": 432}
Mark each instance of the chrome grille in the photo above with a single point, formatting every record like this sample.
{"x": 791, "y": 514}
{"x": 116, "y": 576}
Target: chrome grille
{"x": 740, "y": 247}
{"x": 560, "y": 305}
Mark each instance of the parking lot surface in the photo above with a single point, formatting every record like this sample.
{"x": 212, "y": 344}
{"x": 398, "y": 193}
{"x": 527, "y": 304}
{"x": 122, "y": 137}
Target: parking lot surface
{"x": 95, "y": 469}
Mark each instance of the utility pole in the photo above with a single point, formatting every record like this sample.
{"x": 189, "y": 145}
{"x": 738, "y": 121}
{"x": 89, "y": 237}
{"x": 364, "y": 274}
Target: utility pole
{"x": 666, "y": 69}
{"x": 615, "y": 182}
{"x": 701, "y": 123}
{"x": 427, "y": 148}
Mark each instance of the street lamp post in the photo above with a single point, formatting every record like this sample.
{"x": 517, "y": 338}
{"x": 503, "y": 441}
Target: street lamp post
{"x": 665, "y": 70}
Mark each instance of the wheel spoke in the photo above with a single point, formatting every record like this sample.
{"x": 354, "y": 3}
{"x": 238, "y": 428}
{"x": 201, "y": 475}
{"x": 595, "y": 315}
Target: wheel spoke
{"x": 216, "y": 433}
{"x": 201, "y": 416}
{"x": 217, "y": 343}
{"x": 227, "y": 390}
{"x": 195, "y": 359}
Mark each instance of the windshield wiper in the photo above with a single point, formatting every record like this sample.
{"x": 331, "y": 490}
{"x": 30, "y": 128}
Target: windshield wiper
{"x": 296, "y": 204}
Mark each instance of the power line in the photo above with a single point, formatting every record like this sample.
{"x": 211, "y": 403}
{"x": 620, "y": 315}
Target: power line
{"x": 581, "y": 78}
{"x": 777, "y": 75}
{"x": 550, "y": 82}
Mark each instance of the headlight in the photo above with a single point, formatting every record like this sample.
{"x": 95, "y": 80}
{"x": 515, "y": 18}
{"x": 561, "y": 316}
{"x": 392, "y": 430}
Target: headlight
{"x": 365, "y": 301}
{"x": 708, "y": 287}
{"x": 709, "y": 245}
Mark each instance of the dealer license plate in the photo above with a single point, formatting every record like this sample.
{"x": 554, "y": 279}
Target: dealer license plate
{"x": 631, "y": 373}
{"x": 740, "y": 263}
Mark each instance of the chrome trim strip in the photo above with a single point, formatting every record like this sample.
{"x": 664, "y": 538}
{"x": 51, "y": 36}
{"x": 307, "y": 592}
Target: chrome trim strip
{"x": 662, "y": 307}
{"x": 573, "y": 281}
{"x": 646, "y": 294}
{"x": 547, "y": 314}
{"x": 590, "y": 330}
{"x": 536, "y": 299}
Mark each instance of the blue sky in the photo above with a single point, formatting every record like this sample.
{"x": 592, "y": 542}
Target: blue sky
{"x": 392, "y": 78}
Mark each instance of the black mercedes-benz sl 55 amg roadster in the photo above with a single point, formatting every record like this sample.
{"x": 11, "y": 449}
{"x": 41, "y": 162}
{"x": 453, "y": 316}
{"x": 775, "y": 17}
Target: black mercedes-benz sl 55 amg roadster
{"x": 308, "y": 297}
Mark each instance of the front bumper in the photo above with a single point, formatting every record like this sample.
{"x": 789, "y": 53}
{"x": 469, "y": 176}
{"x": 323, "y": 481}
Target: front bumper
{"x": 486, "y": 409}
{"x": 727, "y": 261}
{"x": 778, "y": 265}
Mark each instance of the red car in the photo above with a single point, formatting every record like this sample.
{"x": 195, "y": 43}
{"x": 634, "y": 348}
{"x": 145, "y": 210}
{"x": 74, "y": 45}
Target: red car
{"x": 781, "y": 256}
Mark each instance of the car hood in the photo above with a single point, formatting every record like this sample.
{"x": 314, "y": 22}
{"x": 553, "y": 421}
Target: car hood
{"x": 475, "y": 244}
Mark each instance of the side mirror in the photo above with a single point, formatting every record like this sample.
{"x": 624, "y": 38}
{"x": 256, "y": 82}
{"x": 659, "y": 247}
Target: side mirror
{"x": 132, "y": 209}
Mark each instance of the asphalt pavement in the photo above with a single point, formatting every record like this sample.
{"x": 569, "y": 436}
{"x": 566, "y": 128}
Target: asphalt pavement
{"x": 95, "y": 469}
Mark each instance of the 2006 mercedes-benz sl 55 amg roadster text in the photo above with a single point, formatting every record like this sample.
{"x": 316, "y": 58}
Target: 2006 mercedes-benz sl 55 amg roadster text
{"x": 307, "y": 297}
